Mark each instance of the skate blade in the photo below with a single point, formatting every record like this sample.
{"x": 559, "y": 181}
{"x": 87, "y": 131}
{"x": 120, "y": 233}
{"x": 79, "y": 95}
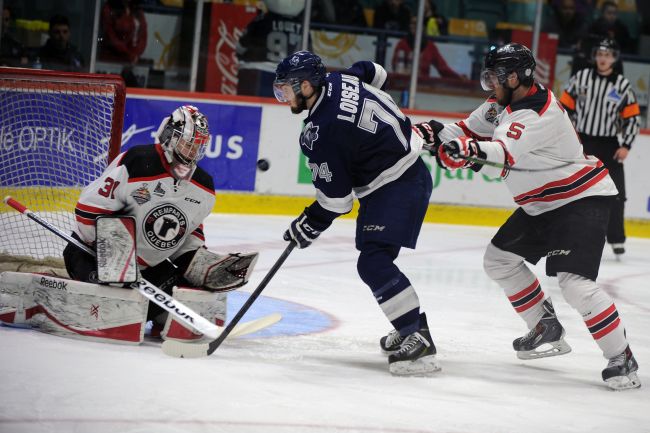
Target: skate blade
{"x": 420, "y": 367}
{"x": 621, "y": 383}
{"x": 557, "y": 348}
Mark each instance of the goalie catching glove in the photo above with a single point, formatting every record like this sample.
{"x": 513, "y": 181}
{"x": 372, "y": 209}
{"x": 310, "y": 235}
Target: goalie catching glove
{"x": 220, "y": 273}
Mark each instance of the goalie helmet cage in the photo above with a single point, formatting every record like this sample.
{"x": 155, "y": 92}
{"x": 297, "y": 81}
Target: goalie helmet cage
{"x": 58, "y": 132}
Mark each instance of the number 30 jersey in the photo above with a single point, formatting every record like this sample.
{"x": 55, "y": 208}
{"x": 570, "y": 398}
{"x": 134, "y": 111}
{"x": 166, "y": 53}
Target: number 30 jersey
{"x": 169, "y": 214}
{"x": 355, "y": 137}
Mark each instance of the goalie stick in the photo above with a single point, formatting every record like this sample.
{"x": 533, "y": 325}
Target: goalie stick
{"x": 180, "y": 349}
{"x": 504, "y": 166}
{"x": 148, "y": 290}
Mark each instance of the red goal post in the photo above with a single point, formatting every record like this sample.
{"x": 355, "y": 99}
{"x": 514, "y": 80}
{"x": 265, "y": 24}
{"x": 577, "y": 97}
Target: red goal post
{"x": 58, "y": 132}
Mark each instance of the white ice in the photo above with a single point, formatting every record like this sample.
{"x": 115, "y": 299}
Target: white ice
{"x": 337, "y": 380}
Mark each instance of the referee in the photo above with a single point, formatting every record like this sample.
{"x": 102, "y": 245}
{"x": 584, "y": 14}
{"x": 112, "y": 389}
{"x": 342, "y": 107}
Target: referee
{"x": 603, "y": 107}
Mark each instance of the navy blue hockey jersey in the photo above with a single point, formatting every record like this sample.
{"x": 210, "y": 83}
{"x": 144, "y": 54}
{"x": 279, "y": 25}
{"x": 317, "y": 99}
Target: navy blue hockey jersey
{"x": 355, "y": 137}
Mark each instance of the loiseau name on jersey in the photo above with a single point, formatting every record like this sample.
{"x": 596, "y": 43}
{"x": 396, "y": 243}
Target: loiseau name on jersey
{"x": 349, "y": 103}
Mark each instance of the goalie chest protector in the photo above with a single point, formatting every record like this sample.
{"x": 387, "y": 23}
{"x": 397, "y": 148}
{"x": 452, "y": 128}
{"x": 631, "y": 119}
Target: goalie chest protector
{"x": 169, "y": 213}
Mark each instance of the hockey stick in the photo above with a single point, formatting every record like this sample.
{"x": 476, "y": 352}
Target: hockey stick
{"x": 148, "y": 290}
{"x": 498, "y": 164}
{"x": 180, "y": 349}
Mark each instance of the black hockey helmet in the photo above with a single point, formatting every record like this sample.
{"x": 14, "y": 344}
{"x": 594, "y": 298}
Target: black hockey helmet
{"x": 500, "y": 62}
{"x": 296, "y": 68}
{"x": 606, "y": 44}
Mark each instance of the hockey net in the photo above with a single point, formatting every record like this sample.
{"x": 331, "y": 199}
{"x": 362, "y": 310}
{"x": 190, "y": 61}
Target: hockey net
{"x": 58, "y": 132}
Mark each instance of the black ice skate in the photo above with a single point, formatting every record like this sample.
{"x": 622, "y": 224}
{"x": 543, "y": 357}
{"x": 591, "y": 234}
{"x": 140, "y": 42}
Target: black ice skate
{"x": 392, "y": 342}
{"x": 620, "y": 372}
{"x": 545, "y": 339}
{"x": 417, "y": 354}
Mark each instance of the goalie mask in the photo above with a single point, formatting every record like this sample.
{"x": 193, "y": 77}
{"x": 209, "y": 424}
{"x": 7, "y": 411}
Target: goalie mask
{"x": 184, "y": 136}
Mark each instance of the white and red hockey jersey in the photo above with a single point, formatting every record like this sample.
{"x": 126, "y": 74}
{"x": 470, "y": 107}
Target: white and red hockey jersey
{"x": 169, "y": 214}
{"x": 534, "y": 132}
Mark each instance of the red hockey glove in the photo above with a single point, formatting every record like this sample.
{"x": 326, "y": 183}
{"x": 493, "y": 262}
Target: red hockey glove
{"x": 452, "y": 155}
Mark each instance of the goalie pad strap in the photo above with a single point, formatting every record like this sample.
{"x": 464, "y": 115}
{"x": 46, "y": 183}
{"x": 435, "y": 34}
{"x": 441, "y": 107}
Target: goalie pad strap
{"x": 220, "y": 273}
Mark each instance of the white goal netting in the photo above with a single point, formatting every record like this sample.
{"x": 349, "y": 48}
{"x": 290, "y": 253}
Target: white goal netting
{"x": 57, "y": 133}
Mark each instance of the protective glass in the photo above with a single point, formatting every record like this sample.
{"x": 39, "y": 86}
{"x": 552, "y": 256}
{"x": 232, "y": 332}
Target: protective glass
{"x": 489, "y": 79}
{"x": 283, "y": 90}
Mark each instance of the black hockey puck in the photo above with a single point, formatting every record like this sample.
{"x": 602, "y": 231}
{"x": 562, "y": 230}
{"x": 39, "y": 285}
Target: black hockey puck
{"x": 263, "y": 165}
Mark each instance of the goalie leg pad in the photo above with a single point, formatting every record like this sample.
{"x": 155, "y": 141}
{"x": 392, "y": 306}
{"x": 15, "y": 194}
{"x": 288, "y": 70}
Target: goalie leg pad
{"x": 73, "y": 309}
{"x": 210, "y": 305}
{"x": 220, "y": 273}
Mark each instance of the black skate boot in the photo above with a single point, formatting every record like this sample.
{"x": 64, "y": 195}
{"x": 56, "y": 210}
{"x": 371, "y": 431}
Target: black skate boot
{"x": 417, "y": 354}
{"x": 547, "y": 332}
{"x": 392, "y": 342}
{"x": 620, "y": 372}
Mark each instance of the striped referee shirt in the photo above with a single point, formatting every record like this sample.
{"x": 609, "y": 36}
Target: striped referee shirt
{"x": 602, "y": 106}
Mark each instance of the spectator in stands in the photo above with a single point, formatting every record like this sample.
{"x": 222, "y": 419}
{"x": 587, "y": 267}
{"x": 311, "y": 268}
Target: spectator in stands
{"x": 272, "y": 35}
{"x": 392, "y": 15}
{"x": 58, "y": 53}
{"x": 340, "y": 12}
{"x": 434, "y": 23}
{"x": 608, "y": 25}
{"x": 124, "y": 31}
{"x": 12, "y": 52}
{"x": 567, "y": 23}
{"x": 429, "y": 56}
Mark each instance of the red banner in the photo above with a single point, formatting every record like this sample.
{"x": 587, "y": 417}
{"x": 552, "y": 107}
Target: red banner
{"x": 546, "y": 54}
{"x": 227, "y": 23}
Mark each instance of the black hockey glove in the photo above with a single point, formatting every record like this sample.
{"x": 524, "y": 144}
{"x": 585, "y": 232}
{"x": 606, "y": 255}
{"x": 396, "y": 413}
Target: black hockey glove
{"x": 429, "y": 132}
{"x": 304, "y": 230}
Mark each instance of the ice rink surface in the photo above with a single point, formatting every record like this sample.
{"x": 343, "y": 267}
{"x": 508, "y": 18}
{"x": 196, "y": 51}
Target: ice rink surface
{"x": 333, "y": 378}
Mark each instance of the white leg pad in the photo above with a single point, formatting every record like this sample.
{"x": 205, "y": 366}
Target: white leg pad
{"x": 72, "y": 309}
{"x": 210, "y": 305}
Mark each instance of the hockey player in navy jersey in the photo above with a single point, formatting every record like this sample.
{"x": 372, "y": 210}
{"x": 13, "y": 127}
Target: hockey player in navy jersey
{"x": 169, "y": 196}
{"x": 563, "y": 213}
{"x": 359, "y": 144}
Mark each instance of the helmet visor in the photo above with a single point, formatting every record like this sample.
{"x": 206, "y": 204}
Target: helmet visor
{"x": 283, "y": 90}
{"x": 190, "y": 151}
{"x": 489, "y": 79}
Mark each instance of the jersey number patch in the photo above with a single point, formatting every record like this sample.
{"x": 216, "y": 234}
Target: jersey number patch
{"x": 372, "y": 111}
{"x": 322, "y": 171}
{"x": 109, "y": 188}
{"x": 515, "y": 130}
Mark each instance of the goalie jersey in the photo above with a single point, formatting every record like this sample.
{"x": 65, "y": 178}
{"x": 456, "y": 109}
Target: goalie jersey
{"x": 534, "y": 132}
{"x": 355, "y": 137}
{"x": 169, "y": 214}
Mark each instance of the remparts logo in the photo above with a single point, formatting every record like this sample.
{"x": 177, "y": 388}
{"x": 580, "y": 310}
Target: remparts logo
{"x": 165, "y": 226}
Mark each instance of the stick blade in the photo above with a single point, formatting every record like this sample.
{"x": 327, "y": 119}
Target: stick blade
{"x": 255, "y": 325}
{"x": 178, "y": 349}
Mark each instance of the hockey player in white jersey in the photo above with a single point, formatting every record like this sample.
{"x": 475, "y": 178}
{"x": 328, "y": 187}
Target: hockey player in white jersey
{"x": 563, "y": 213}
{"x": 169, "y": 196}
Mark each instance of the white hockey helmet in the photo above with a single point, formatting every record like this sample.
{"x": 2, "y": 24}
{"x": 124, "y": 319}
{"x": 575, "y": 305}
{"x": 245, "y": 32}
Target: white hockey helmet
{"x": 184, "y": 136}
